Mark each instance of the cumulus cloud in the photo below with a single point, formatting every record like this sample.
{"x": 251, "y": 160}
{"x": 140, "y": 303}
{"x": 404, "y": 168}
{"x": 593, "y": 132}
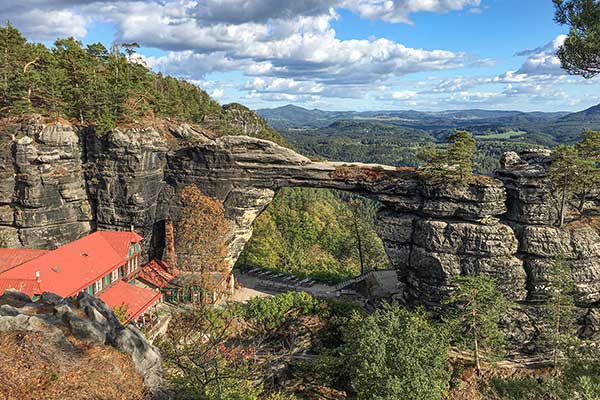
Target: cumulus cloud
{"x": 242, "y": 11}
{"x": 543, "y": 60}
{"x": 48, "y": 24}
{"x": 49, "y": 19}
{"x": 400, "y": 10}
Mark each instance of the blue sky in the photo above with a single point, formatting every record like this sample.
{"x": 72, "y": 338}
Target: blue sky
{"x": 335, "y": 54}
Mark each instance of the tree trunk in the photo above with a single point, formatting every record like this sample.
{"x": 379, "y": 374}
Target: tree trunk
{"x": 476, "y": 356}
{"x": 358, "y": 241}
{"x": 582, "y": 197}
{"x": 563, "y": 200}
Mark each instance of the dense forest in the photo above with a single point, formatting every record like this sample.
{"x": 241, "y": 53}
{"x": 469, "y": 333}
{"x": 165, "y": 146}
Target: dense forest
{"x": 96, "y": 86}
{"x": 390, "y": 144}
{"x": 316, "y": 233}
{"x": 293, "y": 346}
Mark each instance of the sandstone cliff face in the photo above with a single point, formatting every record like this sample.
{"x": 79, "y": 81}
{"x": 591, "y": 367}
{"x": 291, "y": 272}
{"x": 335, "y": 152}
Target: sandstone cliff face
{"x": 532, "y": 214}
{"x": 43, "y": 198}
{"x": 57, "y": 184}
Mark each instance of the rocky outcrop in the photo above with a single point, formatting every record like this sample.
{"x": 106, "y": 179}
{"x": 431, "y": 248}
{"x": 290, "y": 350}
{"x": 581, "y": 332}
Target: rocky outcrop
{"x": 532, "y": 214}
{"x": 125, "y": 176}
{"x": 58, "y": 184}
{"x": 43, "y": 198}
{"x": 431, "y": 233}
{"x": 87, "y": 319}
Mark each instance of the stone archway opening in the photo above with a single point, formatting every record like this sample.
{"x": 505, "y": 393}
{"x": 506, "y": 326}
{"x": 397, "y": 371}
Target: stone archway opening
{"x": 323, "y": 234}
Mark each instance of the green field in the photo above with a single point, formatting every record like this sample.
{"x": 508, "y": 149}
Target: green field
{"x": 500, "y": 136}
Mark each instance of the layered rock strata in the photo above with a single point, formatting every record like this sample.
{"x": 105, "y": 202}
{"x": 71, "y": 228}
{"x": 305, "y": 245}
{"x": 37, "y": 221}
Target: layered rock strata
{"x": 532, "y": 213}
{"x": 43, "y": 198}
{"x": 58, "y": 184}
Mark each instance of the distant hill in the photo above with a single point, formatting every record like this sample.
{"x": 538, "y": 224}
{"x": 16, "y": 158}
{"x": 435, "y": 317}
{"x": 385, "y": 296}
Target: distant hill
{"x": 396, "y": 137}
{"x": 291, "y": 116}
{"x": 591, "y": 114}
{"x": 547, "y": 129}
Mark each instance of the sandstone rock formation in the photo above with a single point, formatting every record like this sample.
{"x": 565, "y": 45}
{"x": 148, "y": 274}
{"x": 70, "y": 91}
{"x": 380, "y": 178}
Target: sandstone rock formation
{"x": 87, "y": 319}
{"x": 43, "y": 198}
{"x": 57, "y": 185}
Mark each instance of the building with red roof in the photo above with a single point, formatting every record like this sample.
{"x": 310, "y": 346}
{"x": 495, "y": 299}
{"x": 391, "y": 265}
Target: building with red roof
{"x": 100, "y": 264}
{"x": 136, "y": 299}
{"x": 91, "y": 263}
{"x": 156, "y": 274}
{"x": 10, "y": 258}
{"x": 28, "y": 286}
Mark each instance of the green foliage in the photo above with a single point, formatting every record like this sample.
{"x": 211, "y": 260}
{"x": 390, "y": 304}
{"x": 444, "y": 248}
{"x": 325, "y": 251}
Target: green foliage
{"x": 97, "y": 86}
{"x": 589, "y": 146}
{"x": 202, "y": 359}
{"x": 574, "y": 172}
{"x": 580, "y": 380}
{"x": 476, "y": 307}
{"x": 580, "y": 53}
{"x": 434, "y": 162}
{"x": 268, "y": 315}
{"x": 460, "y": 155}
{"x": 396, "y": 354}
{"x": 558, "y": 333}
{"x": 311, "y": 232}
{"x": 455, "y": 164}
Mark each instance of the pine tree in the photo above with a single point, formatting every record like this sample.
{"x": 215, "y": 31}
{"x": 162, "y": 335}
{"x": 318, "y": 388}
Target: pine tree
{"x": 460, "y": 156}
{"x": 559, "y": 332}
{"x": 476, "y": 307}
{"x": 580, "y": 53}
{"x": 564, "y": 177}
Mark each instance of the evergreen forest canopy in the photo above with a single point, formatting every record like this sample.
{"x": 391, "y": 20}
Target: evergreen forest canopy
{"x": 93, "y": 85}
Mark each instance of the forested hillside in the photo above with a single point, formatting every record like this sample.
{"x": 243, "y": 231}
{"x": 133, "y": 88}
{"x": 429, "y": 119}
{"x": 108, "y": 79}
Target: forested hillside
{"x": 96, "y": 86}
{"x": 396, "y": 137}
{"x": 316, "y": 233}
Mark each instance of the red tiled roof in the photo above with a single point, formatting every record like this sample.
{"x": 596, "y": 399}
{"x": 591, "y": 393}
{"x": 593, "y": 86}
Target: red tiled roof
{"x": 10, "y": 258}
{"x": 120, "y": 241}
{"x": 155, "y": 273}
{"x": 74, "y": 266}
{"x": 27, "y": 286}
{"x": 136, "y": 298}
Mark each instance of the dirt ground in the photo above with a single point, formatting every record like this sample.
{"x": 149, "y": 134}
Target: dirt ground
{"x": 33, "y": 368}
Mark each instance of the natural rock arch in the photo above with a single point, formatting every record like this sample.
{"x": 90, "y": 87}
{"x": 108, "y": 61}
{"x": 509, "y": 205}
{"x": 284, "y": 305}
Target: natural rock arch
{"x": 61, "y": 184}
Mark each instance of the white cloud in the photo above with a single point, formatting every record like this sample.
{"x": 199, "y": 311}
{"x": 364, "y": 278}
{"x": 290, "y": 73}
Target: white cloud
{"x": 217, "y": 93}
{"x": 474, "y": 97}
{"x": 543, "y": 60}
{"x": 48, "y": 24}
{"x": 404, "y": 95}
{"x": 400, "y": 10}
{"x": 241, "y": 11}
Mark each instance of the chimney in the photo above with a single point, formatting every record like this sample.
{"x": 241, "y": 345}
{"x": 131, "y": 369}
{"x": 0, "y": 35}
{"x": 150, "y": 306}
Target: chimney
{"x": 169, "y": 251}
{"x": 37, "y": 276}
{"x": 131, "y": 228}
